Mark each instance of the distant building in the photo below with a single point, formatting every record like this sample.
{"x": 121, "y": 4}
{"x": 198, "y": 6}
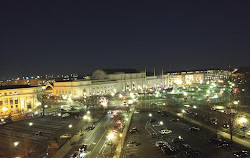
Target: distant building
{"x": 197, "y": 77}
{"x": 18, "y": 99}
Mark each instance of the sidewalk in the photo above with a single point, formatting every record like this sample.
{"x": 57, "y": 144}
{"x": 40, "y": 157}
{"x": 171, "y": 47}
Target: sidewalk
{"x": 237, "y": 140}
{"x": 125, "y": 131}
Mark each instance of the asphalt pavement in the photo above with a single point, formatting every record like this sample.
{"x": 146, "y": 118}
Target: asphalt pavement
{"x": 198, "y": 139}
{"x": 95, "y": 140}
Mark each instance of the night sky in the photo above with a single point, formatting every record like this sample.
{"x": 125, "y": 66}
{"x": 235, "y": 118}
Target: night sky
{"x": 60, "y": 37}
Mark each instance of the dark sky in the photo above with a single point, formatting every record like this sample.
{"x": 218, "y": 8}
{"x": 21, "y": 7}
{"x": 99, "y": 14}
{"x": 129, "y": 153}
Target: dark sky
{"x": 80, "y": 36}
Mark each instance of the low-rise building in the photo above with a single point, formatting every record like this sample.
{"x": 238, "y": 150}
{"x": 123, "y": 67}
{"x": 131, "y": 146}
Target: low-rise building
{"x": 18, "y": 99}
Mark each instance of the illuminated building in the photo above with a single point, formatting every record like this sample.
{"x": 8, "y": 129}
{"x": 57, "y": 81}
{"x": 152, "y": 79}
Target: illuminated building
{"x": 18, "y": 99}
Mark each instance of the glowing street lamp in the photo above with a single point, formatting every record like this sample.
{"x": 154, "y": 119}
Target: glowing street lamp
{"x": 70, "y": 126}
{"x": 30, "y": 124}
{"x": 88, "y": 112}
{"x": 15, "y": 144}
{"x": 194, "y": 107}
{"x": 242, "y": 120}
{"x": 85, "y": 117}
{"x": 161, "y": 122}
{"x": 150, "y": 115}
{"x": 111, "y": 136}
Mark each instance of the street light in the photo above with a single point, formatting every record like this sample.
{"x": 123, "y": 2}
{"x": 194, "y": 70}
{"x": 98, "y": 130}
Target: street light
{"x": 16, "y": 144}
{"x": 194, "y": 107}
{"x": 161, "y": 122}
{"x": 30, "y": 124}
{"x": 150, "y": 115}
{"x": 88, "y": 112}
{"x": 183, "y": 112}
{"x": 242, "y": 121}
{"x": 70, "y": 126}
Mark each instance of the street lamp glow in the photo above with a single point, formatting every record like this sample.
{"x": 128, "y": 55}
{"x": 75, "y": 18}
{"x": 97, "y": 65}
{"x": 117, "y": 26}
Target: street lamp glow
{"x": 111, "y": 136}
{"x": 183, "y": 111}
{"x": 161, "y": 122}
{"x": 85, "y": 117}
{"x": 30, "y": 123}
{"x": 88, "y": 112}
{"x": 194, "y": 107}
{"x": 16, "y": 143}
{"x": 4, "y": 109}
{"x": 236, "y": 102}
{"x": 121, "y": 135}
{"x": 242, "y": 120}
{"x": 70, "y": 126}
{"x": 150, "y": 115}
{"x": 185, "y": 93}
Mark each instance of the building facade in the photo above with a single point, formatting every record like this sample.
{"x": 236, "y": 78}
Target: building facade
{"x": 18, "y": 99}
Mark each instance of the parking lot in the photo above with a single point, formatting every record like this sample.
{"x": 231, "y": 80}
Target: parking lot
{"x": 196, "y": 139}
{"x": 30, "y": 137}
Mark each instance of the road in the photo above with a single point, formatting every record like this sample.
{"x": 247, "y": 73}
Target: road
{"x": 195, "y": 139}
{"x": 95, "y": 140}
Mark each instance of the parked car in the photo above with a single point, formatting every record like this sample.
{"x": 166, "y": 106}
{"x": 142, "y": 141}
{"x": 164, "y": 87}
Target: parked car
{"x": 241, "y": 154}
{"x": 152, "y": 120}
{"x": 223, "y": 144}
{"x": 193, "y": 129}
{"x": 39, "y": 133}
{"x": 168, "y": 150}
{"x": 65, "y": 136}
{"x": 134, "y": 130}
{"x": 159, "y": 144}
{"x": 165, "y": 131}
{"x": 65, "y": 115}
{"x": 175, "y": 120}
{"x": 132, "y": 144}
{"x": 178, "y": 140}
{"x": 91, "y": 127}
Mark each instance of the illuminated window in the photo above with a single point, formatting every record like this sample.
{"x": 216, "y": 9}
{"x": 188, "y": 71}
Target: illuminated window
{"x": 6, "y": 101}
{"x": 15, "y": 93}
{"x": 10, "y": 93}
{"x": 16, "y": 101}
{"x": 11, "y": 101}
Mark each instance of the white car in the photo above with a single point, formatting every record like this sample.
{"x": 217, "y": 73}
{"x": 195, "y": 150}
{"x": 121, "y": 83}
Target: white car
{"x": 66, "y": 115}
{"x": 137, "y": 112}
{"x": 65, "y": 136}
{"x": 165, "y": 131}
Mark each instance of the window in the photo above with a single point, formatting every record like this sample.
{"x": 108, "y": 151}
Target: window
{"x": 5, "y": 93}
{"x": 29, "y": 106}
{"x": 10, "y": 93}
{"x": 11, "y": 101}
{"x": 16, "y": 101}
{"x": 6, "y": 101}
{"x": 16, "y": 106}
{"x": 15, "y": 93}
{"x": 0, "y": 94}
{"x": 1, "y": 102}
{"x": 11, "y": 107}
